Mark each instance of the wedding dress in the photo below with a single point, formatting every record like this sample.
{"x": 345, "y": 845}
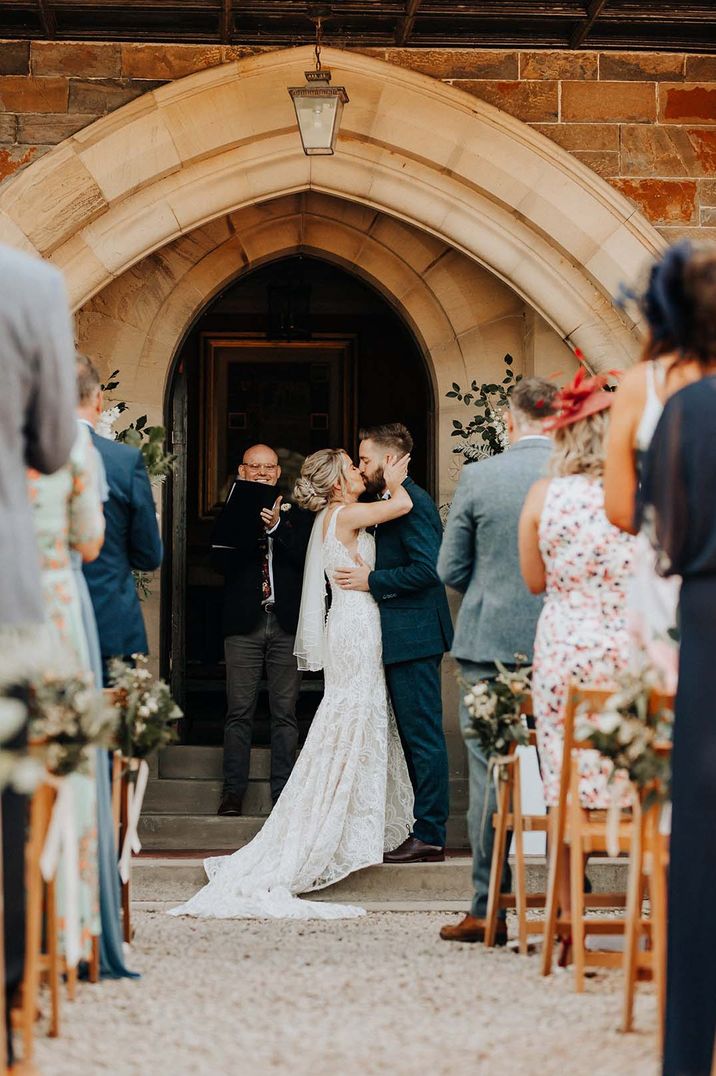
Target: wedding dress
{"x": 349, "y": 797}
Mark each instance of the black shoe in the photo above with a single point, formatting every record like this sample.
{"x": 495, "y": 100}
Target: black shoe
{"x": 230, "y": 804}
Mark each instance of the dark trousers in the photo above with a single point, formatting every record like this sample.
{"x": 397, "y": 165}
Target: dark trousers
{"x": 482, "y": 803}
{"x": 414, "y": 688}
{"x": 691, "y": 956}
{"x": 14, "y": 821}
{"x": 268, "y": 644}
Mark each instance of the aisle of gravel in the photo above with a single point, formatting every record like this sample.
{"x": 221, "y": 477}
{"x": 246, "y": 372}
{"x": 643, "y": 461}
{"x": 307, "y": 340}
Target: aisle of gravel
{"x": 376, "y": 995}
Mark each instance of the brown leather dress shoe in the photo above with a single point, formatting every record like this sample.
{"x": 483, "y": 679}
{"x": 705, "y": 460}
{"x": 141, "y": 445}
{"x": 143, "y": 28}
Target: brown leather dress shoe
{"x": 414, "y": 851}
{"x": 230, "y": 804}
{"x": 472, "y": 929}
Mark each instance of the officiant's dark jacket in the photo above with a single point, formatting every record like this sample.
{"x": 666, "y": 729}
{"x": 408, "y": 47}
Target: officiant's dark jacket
{"x": 414, "y": 612}
{"x": 131, "y": 541}
{"x": 241, "y": 568}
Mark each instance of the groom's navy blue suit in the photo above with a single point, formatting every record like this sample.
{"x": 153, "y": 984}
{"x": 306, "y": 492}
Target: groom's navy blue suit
{"x": 417, "y": 630}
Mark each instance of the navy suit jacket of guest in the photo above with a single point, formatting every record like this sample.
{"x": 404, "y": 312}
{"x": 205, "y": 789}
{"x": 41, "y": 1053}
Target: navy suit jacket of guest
{"x": 414, "y": 613}
{"x": 131, "y": 541}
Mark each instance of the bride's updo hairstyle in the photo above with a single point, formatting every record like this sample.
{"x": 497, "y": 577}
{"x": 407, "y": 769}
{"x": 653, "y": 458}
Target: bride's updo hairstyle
{"x": 319, "y": 474}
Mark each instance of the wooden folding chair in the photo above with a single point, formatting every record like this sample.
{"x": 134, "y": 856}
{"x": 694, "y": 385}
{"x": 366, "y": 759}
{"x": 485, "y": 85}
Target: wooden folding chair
{"x": 40, "y": 907}
{"x": 585, "y": 832}
{"x": 645, "y": 942}
{"x": 507, "y": 821}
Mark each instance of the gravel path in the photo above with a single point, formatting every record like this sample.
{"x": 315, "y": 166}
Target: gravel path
{"x": 365, "y": 996}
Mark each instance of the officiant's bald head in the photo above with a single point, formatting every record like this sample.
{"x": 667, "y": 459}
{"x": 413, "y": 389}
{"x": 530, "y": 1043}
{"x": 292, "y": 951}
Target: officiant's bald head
{"x": 260, "y": 464}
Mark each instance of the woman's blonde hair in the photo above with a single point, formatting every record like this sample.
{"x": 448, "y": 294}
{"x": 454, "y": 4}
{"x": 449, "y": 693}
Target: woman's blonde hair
{"x": 580, "y": 448}
{"x": 319, "y": 474}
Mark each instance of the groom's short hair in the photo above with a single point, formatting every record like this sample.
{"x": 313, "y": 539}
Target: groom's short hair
{"x": 391, "y": 435}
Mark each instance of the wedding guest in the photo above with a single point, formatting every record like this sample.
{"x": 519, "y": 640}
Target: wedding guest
{"x": 263, "y": 574}
{"x": 572, "y": 553}
{"x": 68, "y": 516}
{"x": 678, "y": 492}
{"x": 37, "y": 429}
{"x": 668, "y": 307}
{"x": 498, "y": 616}
{"x": 132, "y": 540}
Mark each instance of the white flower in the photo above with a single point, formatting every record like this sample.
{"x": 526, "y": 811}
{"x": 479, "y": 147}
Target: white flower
{"x": 286, "y": 507}
{"x": 12, "y": 716}
{"x": 106, "y": 421}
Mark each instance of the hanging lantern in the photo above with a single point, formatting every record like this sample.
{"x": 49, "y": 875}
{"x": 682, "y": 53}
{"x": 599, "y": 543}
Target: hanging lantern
{"x": 319, "y": 107}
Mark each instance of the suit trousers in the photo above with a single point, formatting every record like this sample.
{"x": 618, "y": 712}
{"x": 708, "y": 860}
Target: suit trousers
{"x": 268, "y": 644}
{"x": 482, "y": 802}
{"x": 414, "y": 688}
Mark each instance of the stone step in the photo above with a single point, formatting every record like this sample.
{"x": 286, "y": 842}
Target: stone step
{"x": 206, "y": 763}
{"x": 184, "y": 797}
{"x": 156, "y": 878}
{"x": 182, "y": 832}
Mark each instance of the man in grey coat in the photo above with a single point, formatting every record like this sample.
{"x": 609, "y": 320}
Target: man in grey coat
{"x": 37, "y": 429}
{"x": 37, "y": 416}
{"x": 498, "y": 617}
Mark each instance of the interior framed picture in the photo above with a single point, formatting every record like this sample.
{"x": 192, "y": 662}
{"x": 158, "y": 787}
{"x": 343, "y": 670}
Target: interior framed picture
{"x": 296, "y": 396}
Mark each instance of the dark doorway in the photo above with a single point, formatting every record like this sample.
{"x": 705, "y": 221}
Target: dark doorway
{"x": 298, "y": 354}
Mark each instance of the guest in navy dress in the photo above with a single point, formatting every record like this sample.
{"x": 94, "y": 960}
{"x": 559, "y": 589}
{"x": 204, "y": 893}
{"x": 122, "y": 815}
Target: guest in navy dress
{"x": 679, "y": 494}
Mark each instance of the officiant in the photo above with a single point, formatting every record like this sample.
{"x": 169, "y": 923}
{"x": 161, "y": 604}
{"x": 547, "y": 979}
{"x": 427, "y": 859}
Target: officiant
{"x": 259, "y": 546}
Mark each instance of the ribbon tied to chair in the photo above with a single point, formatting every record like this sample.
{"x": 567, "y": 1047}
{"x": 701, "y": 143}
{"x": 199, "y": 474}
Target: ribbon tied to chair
{"x": 62, "y": 843}
{"x": 135, "y": 798}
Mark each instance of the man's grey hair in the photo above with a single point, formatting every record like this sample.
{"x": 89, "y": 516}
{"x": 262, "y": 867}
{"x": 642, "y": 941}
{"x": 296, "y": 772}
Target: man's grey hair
{"x": 88, "y": 379}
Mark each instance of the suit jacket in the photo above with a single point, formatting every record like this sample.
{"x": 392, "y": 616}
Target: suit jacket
{"x": 479, "y": 555}
{"x": 131, "y": 541}
{"x": 241, "y": 568}
{"x": 414, "y": 613}
{"x": 37, "y": 416}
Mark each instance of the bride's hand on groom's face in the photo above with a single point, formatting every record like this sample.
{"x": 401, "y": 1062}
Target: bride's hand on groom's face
{"x": 353, "y": 578}
{"x": 395, "y": 472}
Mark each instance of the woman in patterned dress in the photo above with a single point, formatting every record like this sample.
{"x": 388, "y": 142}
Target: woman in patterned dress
{"x": 68, "y": 516}
{"x": 570, "y": 551}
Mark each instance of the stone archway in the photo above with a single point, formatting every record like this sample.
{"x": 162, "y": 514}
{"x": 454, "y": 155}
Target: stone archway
{"x": 223, "y": 139}
{"x": 462, "y": 318}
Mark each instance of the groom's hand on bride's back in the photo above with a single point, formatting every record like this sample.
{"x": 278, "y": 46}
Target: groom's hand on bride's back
{"x": 353, "y": 578}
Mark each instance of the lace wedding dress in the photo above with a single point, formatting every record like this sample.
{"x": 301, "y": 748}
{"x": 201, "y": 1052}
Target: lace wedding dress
{"x": 349, "y": 797}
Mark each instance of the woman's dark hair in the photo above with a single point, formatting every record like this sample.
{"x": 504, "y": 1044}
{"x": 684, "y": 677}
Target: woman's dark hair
{"x": 680, "y": 303}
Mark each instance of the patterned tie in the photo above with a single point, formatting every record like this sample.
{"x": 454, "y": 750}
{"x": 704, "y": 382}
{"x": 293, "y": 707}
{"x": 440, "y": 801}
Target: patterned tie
{"x": 265, "y": 572}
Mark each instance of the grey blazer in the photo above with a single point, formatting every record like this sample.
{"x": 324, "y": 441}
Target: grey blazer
{"x": 37, "y": 416}
{"x": 479, "y": 555}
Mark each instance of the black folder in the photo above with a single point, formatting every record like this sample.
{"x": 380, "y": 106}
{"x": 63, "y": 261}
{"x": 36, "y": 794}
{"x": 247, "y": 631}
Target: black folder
{"x": 239, "y": 521}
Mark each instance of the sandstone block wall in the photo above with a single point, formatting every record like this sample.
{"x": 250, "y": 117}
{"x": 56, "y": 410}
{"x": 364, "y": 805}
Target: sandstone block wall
{"x": 644, "y": 121}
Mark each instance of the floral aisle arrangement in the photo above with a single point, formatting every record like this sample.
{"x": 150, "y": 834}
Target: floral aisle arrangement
{"x": 146, "y": 712}
{"x": 18, "y": 769}
{"x": 67, "y": 717}
{"x": 495, "y": 708}
{"x": 633, "y": 736}
{"x": 147, "y": 717}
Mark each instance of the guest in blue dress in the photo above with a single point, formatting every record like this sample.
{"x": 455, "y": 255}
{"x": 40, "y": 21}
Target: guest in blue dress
{"x": 679, "y": 492}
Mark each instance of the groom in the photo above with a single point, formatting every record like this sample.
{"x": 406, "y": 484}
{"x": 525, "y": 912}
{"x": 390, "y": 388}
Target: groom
{"x": 417, "y": 630}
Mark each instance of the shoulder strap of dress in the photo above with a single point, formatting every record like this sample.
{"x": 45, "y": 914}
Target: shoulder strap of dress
{"x": 332, "y": 520}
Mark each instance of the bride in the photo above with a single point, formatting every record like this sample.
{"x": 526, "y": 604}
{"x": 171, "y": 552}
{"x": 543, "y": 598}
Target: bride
{"x": 349, "y": 797}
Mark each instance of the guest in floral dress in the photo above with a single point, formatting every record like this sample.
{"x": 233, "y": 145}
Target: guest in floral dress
{"x": 570, "y": 551}
{"x": 68, "y": 516}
